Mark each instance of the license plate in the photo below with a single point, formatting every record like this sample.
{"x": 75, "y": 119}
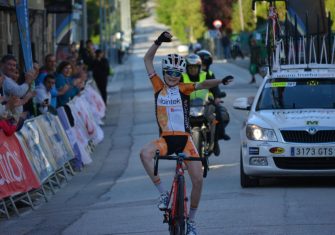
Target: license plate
{"x": 313, "y": 151}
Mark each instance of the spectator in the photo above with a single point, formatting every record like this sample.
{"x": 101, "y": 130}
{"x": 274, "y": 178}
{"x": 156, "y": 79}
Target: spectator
{"x": 226, "y": 46}
{"x": 81, "y": 75}
{"x": 9, "y": 66}
{"x": 88, "y": 54}
{"x": 12, "y": 88}
{"x": 49, "y": 67}
{"x": 65, "y": 84}
{"x": 21, "y": 111}
{"x": 101, "y": 72}
{"x": 254, "y": 59}
{"x": 8, "y": 105}
{"x": 8, "y": 122}
{"x": 43, "y": 96}
{"x": 73, "y": 50}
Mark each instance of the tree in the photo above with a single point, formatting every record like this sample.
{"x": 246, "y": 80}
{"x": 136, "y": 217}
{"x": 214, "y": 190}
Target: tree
{"x": 138, "y": 11}
{"x": 247, "y": 14}
{"x": 330, "y": 7}
{"x": 92, "y": 19}
{"x": 187, "y": 21}
{"x": 164, "y": 10}
{"x": 253, "y": 19}
{"x": 184, "y": 17}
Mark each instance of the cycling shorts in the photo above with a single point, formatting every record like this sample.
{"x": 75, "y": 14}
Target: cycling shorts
{"x": 174, "y": 144}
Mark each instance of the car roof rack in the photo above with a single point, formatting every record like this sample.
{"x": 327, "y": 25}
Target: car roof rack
{"x": 308, "y": 53}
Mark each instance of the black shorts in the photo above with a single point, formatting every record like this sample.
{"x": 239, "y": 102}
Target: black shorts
{"x": 175, "y": 144}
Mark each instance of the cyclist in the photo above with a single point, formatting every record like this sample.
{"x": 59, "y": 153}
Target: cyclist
{"x": 172, "y": 113}
{"x": 207, "y": 60}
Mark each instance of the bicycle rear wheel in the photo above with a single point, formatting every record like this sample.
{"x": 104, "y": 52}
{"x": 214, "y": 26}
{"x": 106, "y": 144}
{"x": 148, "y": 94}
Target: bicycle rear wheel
{"x": 177, "y": 225}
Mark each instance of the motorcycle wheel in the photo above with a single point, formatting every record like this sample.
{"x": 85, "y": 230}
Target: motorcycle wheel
{"x": 198, "y": 140}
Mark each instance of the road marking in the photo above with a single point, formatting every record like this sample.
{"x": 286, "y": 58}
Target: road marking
{"x": 137, "y": 178}
{"x": 224, "y": 165}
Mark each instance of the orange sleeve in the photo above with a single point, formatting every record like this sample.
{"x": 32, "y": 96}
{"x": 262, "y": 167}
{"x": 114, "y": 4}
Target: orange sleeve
{"x": 156, "y": 82}
{"x": 187, "y": 88}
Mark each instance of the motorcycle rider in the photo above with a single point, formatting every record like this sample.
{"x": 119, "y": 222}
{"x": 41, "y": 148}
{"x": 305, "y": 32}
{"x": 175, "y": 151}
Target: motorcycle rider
{"x": 197, "y": 72}
{"x": 207, "y": 60}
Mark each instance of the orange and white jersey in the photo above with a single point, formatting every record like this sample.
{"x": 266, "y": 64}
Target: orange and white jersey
{"x": 172, "y": 106}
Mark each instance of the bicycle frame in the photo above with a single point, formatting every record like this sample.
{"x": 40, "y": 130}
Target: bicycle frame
{"x": 272, "y": 30}
{"x": 179, "y": 176}
{"x": 176, "y": 214}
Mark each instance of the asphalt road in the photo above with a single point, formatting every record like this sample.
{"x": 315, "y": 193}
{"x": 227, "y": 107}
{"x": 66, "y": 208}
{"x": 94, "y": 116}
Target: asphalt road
{"x": 113, "y": 195}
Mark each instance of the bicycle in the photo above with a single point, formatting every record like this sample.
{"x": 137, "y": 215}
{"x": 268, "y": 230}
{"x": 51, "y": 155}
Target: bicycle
{"x": 274, "y": 32}
{"x": 176, "y": 213}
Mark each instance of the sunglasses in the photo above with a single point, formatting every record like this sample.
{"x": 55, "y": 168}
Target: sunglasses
{"x": 173, "y": 73}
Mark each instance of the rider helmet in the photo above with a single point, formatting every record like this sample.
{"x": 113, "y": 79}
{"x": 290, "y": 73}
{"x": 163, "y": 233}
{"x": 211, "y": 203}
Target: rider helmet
{"x": 206, "y": 57}
{"x": 193, "y": 60}
{"x": 174, "y": 62}
{"x": 196, "y": 47}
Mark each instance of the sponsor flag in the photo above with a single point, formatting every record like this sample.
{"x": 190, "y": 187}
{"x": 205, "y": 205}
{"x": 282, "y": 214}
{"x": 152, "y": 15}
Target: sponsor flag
{"x": 22, "y": 18}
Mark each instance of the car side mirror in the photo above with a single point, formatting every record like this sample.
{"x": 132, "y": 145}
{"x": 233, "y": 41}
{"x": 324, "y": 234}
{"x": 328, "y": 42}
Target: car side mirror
{"x": 243, "y": 103}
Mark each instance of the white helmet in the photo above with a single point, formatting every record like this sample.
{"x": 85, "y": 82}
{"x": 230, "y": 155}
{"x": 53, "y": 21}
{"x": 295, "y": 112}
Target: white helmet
{"x": 174, "y": 62}
{"x": 206, "y": 57}
{"x": 193, "y": 59}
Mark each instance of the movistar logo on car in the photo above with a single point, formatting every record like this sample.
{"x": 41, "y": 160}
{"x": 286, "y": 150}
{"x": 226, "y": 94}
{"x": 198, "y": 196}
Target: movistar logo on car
{"x": 168, "y": 101}
{"x": 312, "y": 123}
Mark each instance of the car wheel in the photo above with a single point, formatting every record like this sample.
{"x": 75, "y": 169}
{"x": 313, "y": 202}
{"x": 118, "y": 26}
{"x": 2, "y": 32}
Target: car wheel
{"x": 246, "y": 181}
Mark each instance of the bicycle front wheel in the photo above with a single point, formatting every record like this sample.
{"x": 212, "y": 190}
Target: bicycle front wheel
{"x": 178, "y": 220}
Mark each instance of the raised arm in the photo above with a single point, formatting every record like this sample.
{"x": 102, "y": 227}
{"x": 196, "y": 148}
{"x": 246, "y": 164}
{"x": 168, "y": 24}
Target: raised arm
{"x": 150, "y": 54}
{"x": 149, "y": 58}
{"x": 207, "y": 84}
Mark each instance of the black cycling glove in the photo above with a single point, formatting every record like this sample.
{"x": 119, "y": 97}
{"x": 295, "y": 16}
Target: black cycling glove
{"x": 164, "y": 37}
{"x": 227, "y": 79}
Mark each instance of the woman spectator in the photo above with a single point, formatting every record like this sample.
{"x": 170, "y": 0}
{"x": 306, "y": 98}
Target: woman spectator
{"x": 65, "y": 84}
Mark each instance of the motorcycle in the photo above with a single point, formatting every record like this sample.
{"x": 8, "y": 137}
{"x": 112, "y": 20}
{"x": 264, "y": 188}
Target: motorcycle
{"x": 203, "y": 121}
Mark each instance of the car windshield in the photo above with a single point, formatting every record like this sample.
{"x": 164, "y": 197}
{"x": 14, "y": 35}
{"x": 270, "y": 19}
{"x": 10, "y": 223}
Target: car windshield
{"x": 299, "y": 93}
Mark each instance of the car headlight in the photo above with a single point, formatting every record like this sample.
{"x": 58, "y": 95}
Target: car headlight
{"x": 197, "y": 111}
{"x": 255, "y": 132}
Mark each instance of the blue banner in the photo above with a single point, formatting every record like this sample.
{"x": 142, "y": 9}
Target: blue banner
{"x": 22, "y": 18}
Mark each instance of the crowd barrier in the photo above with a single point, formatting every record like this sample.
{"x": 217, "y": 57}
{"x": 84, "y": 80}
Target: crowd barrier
{"x": 42, "y": 154}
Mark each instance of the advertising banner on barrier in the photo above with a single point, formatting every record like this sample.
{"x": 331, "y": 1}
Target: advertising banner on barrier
{"x": 55, "y": 138}
{"x": 84, "y": 118}
{"x": 36, "y": 150}
{"x": 97, "y": 104}
{"x": 16, "y": 174}
{"x": 76, "y": 136}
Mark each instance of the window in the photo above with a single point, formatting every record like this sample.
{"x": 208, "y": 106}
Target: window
{"x": 283, "y": 93}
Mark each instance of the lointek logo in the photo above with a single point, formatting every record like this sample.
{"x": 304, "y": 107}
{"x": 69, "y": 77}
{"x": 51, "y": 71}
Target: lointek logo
{"x": 11, "y": 169}
{"x": 163, "y": 101}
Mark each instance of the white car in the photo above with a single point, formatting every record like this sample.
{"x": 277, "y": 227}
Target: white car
{"x": 290, "y": 128}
